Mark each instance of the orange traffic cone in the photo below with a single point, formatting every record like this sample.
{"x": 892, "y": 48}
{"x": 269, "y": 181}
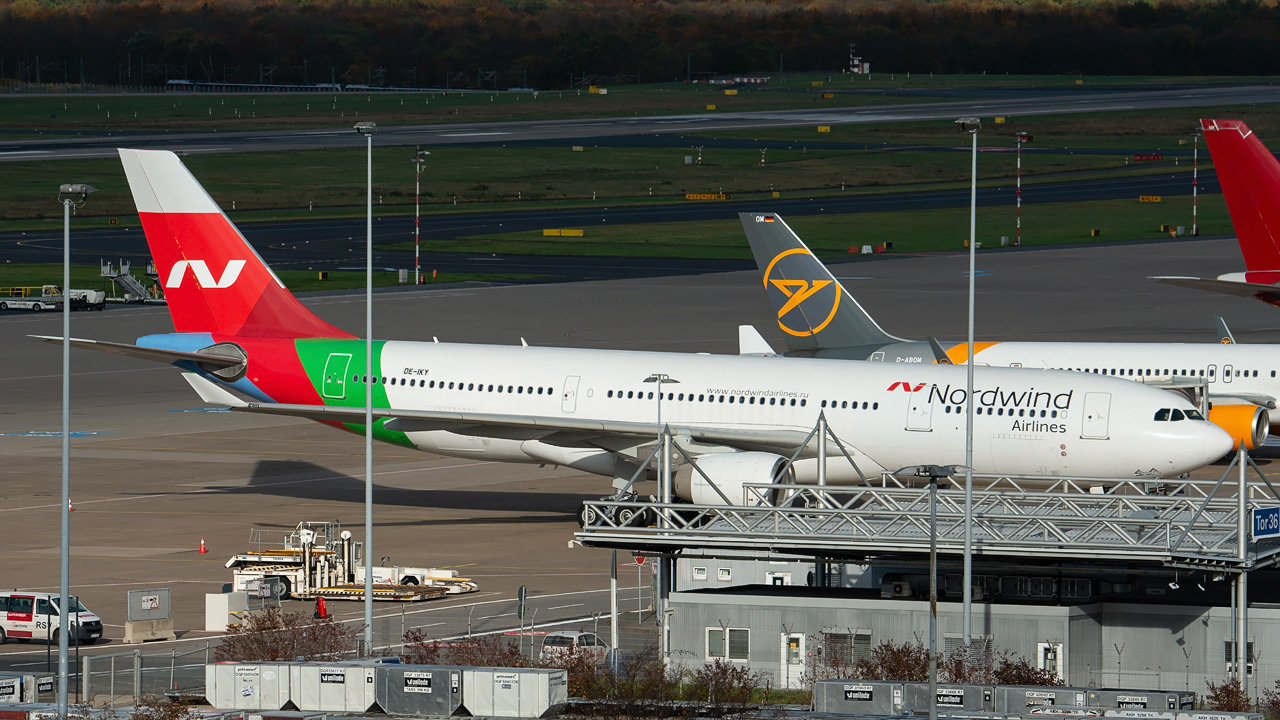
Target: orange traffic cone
{"x": 203, "y": 549}
{"x": 70, "y": 507}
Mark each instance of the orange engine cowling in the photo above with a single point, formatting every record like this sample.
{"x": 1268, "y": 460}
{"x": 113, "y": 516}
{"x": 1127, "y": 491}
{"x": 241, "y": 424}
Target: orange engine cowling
{"x": 1242, "y": 421}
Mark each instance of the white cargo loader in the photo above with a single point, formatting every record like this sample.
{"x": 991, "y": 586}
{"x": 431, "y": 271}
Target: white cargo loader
{"x": 319, "y": 559}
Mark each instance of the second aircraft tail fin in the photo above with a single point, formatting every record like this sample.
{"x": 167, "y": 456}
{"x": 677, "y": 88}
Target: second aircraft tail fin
{"x": 814, "y": 310}
{"x": 1250, "y": 178}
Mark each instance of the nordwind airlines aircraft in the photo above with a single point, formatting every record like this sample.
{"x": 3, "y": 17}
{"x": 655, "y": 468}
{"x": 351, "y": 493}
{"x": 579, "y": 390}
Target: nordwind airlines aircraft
{"x": 822, "y": 320}
{"x": 239, "y": 332}
{"x": 1250, "y": 179}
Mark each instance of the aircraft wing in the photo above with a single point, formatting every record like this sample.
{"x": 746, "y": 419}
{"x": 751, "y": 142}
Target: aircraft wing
{"x": 1258, "y": 399}
{"x": 559, "y": 430}
{"x": 1226, "y": 287}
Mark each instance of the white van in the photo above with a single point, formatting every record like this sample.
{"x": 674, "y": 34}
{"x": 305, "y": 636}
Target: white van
{"x": 27, "y": 616}
{"x": 562, "y": 645}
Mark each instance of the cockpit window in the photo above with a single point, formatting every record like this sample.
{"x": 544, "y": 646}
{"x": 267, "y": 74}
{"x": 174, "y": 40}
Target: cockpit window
{"x": 1162, "y": 415}
{"x": 1177, "y": 415}
{"x": 1194, "y": 415}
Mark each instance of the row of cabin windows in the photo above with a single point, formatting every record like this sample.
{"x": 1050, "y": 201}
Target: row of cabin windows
{"x": 690, "y": 397}
{"x": 1022, "y": 412}
{"x": 480, "y": 387}
{"x": 849, "y": 405}
{"x": 1148, "y": 372}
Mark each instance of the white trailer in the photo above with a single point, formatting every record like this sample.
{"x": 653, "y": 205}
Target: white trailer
{"x": 46, "y": 297}
{"x": 49, "y": 297}
{"x": 319, "y": 559}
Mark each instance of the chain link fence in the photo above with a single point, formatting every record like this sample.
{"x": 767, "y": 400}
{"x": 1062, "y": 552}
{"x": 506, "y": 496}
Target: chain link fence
{"x": 122, "y": 679}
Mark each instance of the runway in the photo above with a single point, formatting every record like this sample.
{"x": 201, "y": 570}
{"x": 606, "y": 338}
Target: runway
{"x": 153, "y": 471}
{"x": 1006, "y": 102}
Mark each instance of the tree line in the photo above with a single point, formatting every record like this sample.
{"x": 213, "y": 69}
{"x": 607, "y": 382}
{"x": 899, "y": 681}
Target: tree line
{"x": 555, "y": 43}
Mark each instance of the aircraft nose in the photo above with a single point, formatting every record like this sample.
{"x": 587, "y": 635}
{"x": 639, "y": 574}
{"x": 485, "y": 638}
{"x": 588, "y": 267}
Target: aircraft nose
{"x": 1214, "y": 442}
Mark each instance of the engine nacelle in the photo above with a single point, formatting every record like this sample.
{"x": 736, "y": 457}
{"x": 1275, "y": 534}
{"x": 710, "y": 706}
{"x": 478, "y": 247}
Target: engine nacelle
{"x": 729, "y": 472}
{"x": 1242, "y": 421}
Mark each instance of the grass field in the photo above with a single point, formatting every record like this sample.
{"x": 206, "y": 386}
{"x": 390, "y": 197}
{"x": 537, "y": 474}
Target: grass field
{"x": 333, "y": 178}
{"x": 921, "y": 231}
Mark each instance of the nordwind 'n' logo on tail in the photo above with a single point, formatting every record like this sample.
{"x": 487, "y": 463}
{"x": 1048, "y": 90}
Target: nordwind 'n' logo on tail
{"x": 204, "y": 278}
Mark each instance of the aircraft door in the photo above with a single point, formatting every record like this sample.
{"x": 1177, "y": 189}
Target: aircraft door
{"x": 334, "y": 384}
{"x": 569, "y": 401}
{"x": 920, "y": 412}
{"x": 1097, "y": 415}
{"x": 1226, "y": 373}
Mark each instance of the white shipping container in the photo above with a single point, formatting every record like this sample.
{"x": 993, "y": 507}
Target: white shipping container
{"x": 514, "y": 692}
{"x": 247, "y": 686}
{"x": 333, "y": 687}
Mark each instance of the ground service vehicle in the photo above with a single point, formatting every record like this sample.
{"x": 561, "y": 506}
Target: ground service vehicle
{"x": 27, "y": 616}
{"x": 49, "y": 297}
{"x": 319, "y": 559}
{"x": 565, "y": 644}
{"x": 46, "y": 297}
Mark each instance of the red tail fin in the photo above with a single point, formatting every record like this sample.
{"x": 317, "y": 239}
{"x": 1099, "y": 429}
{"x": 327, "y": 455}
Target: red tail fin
{"x": 1250, "y": 178}
{"x": 213, "y": 279}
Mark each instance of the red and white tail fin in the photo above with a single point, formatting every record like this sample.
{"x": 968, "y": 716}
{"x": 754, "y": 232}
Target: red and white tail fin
{"x": 213, "y": 279}
{"x": 1250, "y": 178}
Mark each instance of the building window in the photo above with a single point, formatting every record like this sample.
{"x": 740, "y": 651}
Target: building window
{"x": 843, "y": 648}
{"x": 982, "y": 646}
{"x": 737, "y": 647}
{"x": 724, "y": 574}
{"x": 699, "y": 573}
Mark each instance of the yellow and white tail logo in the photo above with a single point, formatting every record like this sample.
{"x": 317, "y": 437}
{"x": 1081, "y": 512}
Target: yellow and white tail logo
{"x": 805, "y": 299}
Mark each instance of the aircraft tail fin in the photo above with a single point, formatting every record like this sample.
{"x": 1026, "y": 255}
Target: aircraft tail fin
{"x": 213, "y": 279}
{"x": 1250, "y": 178}
{"x": 814, "y": 311}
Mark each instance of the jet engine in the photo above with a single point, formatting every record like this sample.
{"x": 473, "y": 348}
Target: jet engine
{"x": 730, "y": 472}
{"x": 1242, "y": 421}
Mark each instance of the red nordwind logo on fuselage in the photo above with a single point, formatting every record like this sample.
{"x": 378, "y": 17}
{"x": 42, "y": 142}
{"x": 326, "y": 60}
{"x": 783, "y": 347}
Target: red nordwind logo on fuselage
{"x": 204, "y": 278}
{"x": 907, "y": 387}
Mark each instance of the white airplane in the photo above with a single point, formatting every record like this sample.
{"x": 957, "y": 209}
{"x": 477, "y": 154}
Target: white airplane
{"x": 1250, "y": 179}
{"x": 239, "y": 329}
{"x": 822, "y": 320}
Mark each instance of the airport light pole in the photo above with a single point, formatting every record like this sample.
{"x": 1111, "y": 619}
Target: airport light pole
{"x": 74, "y": 195}
{"x": 1020, "y": 137}
{"x": 664, "y": 496}
{"x": 933, "y": 473}
{"x": 1195, "y": 177}
{"x": 971, "y": 126}
{"x": 418, "y": 160}
{"x": 367, "y": 129}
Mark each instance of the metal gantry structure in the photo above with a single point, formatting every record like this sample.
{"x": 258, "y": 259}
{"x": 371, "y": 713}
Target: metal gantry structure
{"x": 1175, "y": 524}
